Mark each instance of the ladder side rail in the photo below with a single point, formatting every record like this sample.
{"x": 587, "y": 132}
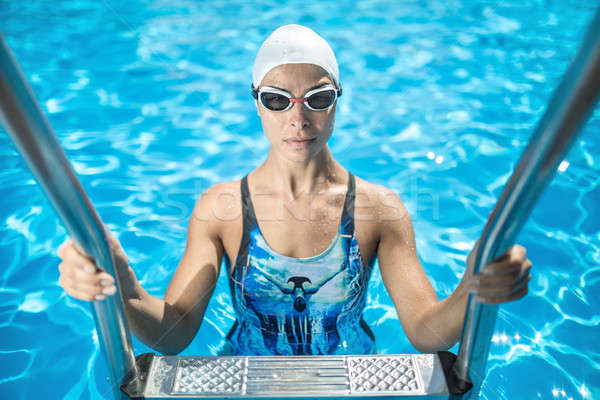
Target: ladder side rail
{"x": 571, "y": 105}
{"x": 34, "y": 139}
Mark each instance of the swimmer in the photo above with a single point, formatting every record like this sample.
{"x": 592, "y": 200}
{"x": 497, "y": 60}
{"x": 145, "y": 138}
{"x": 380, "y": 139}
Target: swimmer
{"x": 299, "y": 236}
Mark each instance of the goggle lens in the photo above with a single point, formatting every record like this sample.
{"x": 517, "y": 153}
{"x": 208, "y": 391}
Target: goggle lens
{"x": 274, "y": 101}
{"x": 322, "y": 100}
{"x": 279, "y": 100}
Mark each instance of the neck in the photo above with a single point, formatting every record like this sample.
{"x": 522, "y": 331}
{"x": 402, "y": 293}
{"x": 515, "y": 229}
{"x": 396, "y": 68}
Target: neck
{"x": 295, "y": 179}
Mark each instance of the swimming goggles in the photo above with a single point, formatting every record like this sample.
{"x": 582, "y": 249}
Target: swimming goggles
{"x": 319, "y": 99}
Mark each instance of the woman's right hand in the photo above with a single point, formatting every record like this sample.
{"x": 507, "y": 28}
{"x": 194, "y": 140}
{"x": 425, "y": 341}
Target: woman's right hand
{"x": 82, "y": 279}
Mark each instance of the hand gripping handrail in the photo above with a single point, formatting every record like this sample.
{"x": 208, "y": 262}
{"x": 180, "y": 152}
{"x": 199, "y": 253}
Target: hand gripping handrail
{"x": 571, "y": 105}
{"x": 30, "y": 131}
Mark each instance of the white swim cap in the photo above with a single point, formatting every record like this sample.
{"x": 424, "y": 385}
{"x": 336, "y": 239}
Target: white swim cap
{"x": 294, "y": 44}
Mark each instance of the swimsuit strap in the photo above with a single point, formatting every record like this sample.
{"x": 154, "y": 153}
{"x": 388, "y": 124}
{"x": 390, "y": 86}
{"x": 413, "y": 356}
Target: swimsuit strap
{"x": 249, "y": 223}
{"x": 247, "y": 207}
{"x": 347, "y": 223}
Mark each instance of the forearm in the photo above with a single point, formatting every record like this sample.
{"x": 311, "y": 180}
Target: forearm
{"x": 440, "y": 325}
{"x": 153, "y": 321}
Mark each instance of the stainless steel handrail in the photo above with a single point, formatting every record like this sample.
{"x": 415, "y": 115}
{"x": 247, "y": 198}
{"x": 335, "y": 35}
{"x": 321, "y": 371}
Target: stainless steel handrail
{"x": 30, "y": 131}
{"x": 567, "y": 112}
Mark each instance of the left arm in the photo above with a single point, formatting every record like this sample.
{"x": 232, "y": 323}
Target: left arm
{"x": 430, "y": 324}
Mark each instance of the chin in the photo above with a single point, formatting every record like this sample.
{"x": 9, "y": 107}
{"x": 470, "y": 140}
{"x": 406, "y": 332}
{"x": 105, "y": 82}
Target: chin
{"x": 298, "y": 155}
{"x": 299, "y": 158}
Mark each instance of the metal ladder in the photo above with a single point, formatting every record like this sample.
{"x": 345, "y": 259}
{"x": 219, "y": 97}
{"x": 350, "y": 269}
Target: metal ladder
{"x": 442, "y": 375}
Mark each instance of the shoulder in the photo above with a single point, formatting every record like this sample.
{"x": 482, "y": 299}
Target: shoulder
{"x": 379, "y": 211}
{"x": 378, "y": 202}
{"x": 218, "y": 205}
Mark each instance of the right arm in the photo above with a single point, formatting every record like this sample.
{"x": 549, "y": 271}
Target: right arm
{"x": 167, "y": 325}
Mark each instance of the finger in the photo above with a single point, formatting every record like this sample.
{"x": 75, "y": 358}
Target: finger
{"x": 66, "y": 284}
{"x": 507, "y": 265}
{"x": 518, "y": 254}
{"x": 502, "y": 267}
{"x": 498, "y": 300}
{"x": 525, "y": 269}
{"x": 88, "y": 297}
{"x": 492, "y": 273}
{"x": 494, "y": 281}
{"x": 70, "y": 252}
{"x": 81, "y": 262}
{"x": 73, "y": 285}
{"x": 63, "y": 247}
{"x": 504, "y": 277}
{"x": 79, "y": 272}
{"x": 86, "y": 289}
{"x": 74, "y": 273}
{"x": 520, "y": 294}
{"x": 514, "y": 255}
{"x": 98, "y": 278}
{"x": 82, "y": 296}
{"x": 501, "y": 294}
{"x": 68, "y": 269}
{"x": 500, "y": 290}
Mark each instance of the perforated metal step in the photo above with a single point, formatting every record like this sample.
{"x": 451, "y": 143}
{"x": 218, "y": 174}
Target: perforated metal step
{"x": 406, "y": 376}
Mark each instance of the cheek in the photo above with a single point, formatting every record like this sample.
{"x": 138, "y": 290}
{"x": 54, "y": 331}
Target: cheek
{"x": 273, "y": 123}
{"x": 271, "y": 127}
{"x": 330, "y": 122}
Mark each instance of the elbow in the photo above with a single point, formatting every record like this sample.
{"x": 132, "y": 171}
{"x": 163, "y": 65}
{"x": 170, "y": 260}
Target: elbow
{"x": 170, "y": 351}
{"x": 430, "y": 348}
{"x": 421, "y": 347}
{"x": 428, "y": 338}
{"x": 171, "y": 347}
{"x": 176, "y": 334}
{"x": 166, "y": 347}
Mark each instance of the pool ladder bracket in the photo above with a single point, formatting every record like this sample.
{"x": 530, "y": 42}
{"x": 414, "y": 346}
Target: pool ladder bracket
{"x": 456, "y": 386}
{"x": 133, "y": 386}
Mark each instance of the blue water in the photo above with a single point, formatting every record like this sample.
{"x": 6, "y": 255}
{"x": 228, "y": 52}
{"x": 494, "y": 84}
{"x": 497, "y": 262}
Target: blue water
{"x": 150, "y": 100}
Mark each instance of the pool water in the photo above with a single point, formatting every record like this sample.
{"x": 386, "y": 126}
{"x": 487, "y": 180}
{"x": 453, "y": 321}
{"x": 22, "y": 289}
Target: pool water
{"x": 150, "y": 100}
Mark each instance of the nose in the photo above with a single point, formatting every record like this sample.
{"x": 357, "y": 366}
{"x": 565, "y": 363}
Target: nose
{"x": 298, "y": 115}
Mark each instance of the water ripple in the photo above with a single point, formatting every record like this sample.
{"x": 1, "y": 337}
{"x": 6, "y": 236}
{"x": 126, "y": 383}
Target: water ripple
{"x": 153, "y": 108}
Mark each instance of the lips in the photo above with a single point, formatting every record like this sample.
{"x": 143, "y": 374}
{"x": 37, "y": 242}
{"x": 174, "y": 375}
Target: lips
{"x": 300, "y": 139}
{"x": 300, "y": 143}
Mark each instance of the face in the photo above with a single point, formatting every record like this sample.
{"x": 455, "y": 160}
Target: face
{"x": 297, "y": 134}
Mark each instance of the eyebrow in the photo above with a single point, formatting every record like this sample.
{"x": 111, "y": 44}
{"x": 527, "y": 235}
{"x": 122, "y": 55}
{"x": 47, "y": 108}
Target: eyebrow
{"x": 312, "y": 88}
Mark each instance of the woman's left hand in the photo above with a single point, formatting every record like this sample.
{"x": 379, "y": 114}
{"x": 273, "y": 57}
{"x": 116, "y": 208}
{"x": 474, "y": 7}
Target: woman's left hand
{"x": 503, "y": 279}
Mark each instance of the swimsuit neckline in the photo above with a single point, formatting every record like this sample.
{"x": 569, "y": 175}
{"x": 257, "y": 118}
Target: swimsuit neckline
{"x": 316, "y": 257}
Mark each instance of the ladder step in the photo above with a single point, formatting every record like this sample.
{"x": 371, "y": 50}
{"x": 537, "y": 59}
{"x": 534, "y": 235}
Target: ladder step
{"x": 400, "y": 375}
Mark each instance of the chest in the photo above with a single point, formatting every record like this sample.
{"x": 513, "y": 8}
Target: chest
{"x": 302, "y": 228}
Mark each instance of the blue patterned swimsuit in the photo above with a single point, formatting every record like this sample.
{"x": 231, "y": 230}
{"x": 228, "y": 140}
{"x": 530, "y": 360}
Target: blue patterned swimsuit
{"x": 299, "y": 306}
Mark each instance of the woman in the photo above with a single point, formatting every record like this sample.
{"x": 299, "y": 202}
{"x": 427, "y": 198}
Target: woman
{"x": 296, "y": 290}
